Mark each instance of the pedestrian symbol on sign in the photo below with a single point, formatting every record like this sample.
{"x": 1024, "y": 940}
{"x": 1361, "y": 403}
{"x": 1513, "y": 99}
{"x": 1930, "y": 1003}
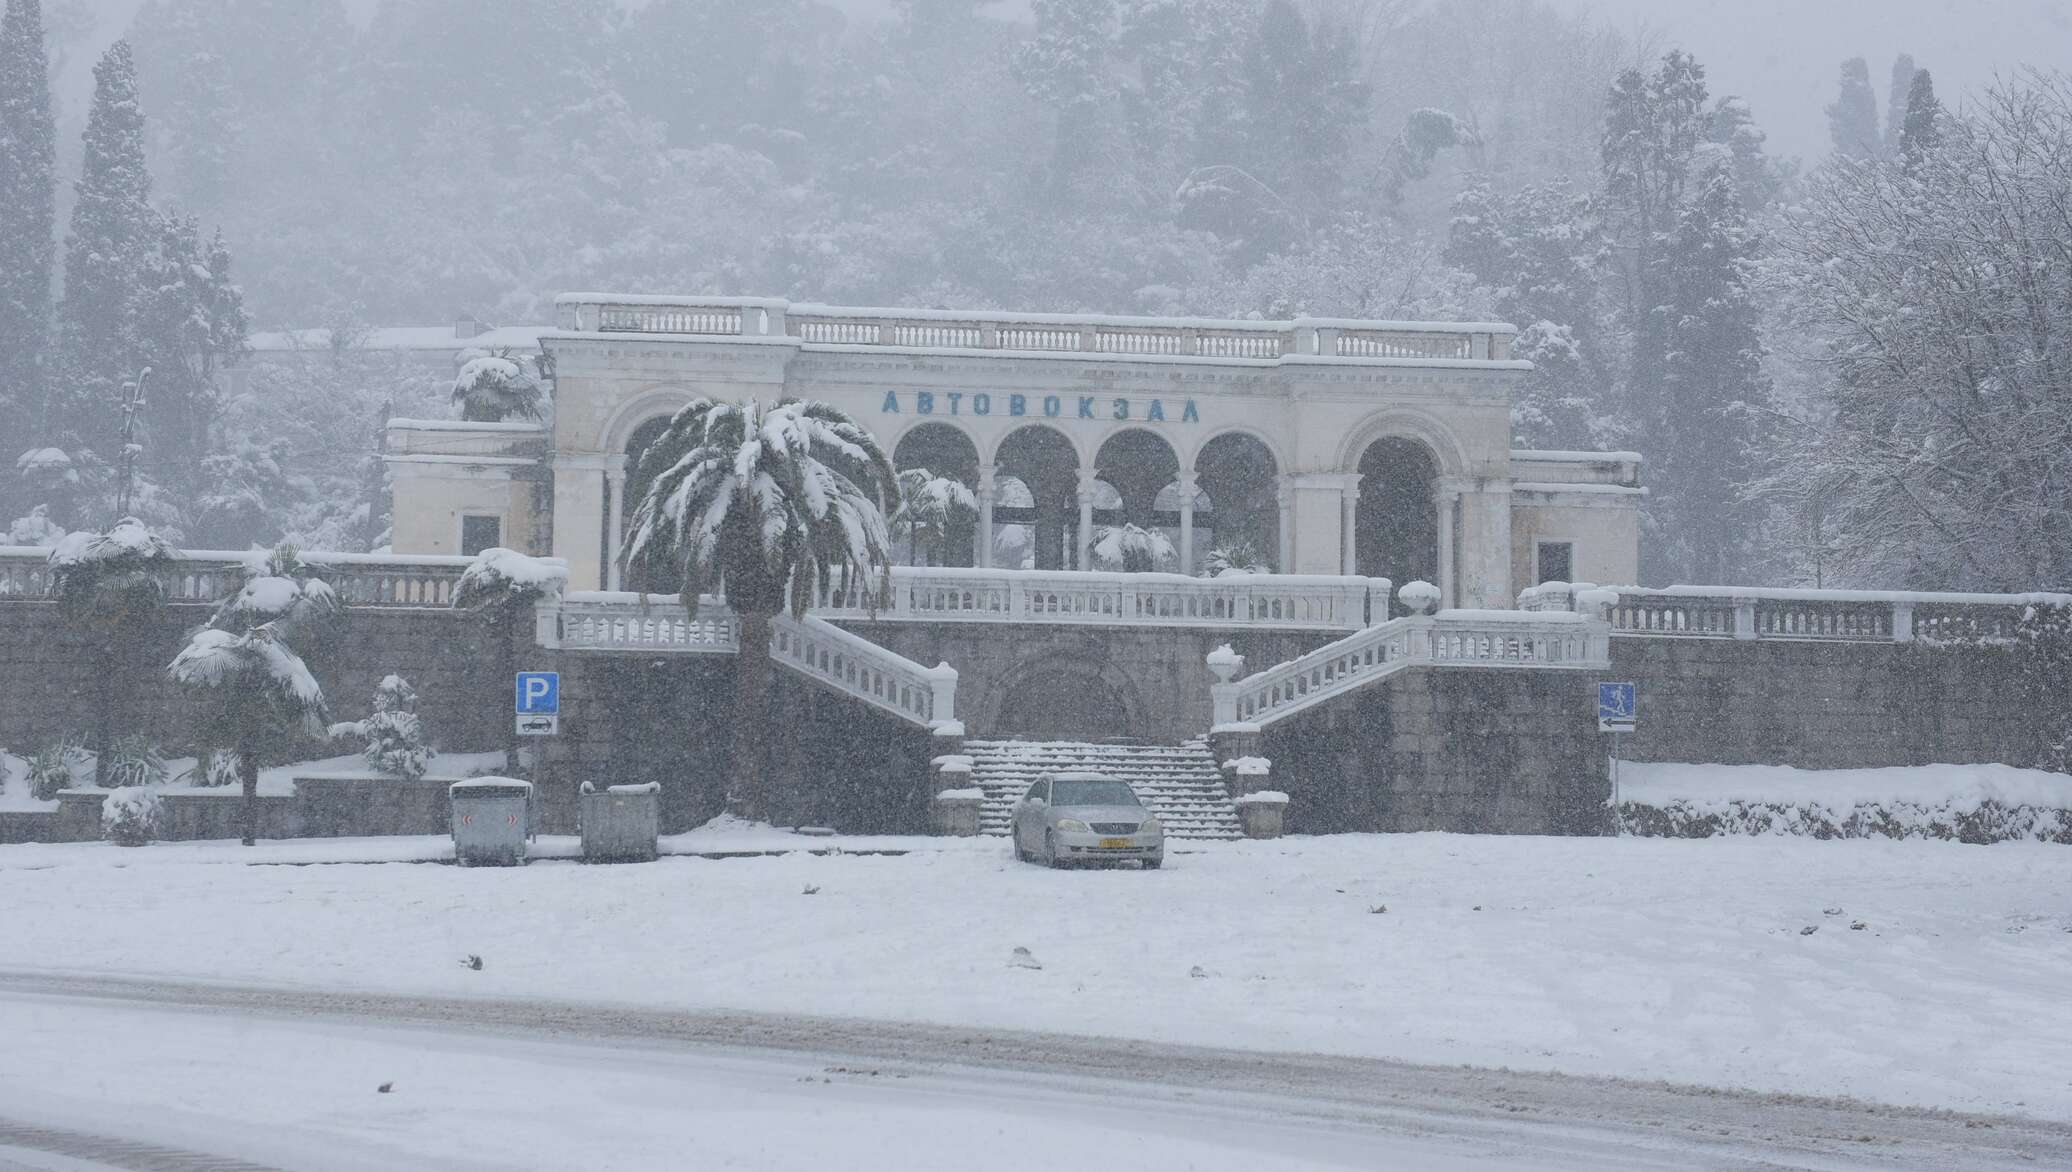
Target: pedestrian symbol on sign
{"x": 1617, "y": 708}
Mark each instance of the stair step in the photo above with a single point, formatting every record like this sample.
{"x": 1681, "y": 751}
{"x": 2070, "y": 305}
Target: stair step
{"x": 1180, "y": 783}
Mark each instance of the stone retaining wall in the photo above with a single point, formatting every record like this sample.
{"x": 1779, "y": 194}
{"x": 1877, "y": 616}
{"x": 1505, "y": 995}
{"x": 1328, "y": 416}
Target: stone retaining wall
{"x": 1825, "y": 705}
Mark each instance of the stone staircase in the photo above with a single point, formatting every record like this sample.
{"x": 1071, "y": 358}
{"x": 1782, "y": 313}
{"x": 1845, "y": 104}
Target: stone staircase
{"x": 1180, "y": 783}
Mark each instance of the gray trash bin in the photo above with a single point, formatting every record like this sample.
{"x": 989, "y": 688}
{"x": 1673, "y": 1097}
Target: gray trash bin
{"x": 490, "y": 821}
{"x": 619, "y": 824}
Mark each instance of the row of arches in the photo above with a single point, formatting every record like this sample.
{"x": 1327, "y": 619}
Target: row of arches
{"x": 1134, "y": 508}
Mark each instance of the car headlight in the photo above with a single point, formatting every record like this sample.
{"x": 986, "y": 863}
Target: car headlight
{"x": 1151, "y": 826}
{"x": 1074, "y": 826}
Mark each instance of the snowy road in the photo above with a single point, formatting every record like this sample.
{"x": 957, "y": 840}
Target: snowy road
{"x": 219, "y": 1078}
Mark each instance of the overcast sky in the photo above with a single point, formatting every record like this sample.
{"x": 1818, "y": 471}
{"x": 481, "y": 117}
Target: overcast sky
{"x": 1784, "y": 55}
{"x": 1781, "y": 55}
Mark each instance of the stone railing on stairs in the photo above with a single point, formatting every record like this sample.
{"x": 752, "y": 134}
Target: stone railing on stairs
{"x": 1451, "y": 638}
{"x": 606, "y": 620}
{"x": 208, "y": 575}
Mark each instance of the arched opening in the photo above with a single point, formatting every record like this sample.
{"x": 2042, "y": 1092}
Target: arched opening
{"x": 1045, "y": 466}
{"x": 937, "y": 525}
{"x": 1064, "y": 699}
{"x": 1132, "y": 531}
{"x": 642, "y": 575}
{"x": 1396, "y": 527}
{"x": 1239, "y": 474}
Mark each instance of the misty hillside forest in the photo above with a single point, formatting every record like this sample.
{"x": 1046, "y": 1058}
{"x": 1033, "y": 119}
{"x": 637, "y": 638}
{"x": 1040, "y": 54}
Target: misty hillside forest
{"x": 1850, "y": 369}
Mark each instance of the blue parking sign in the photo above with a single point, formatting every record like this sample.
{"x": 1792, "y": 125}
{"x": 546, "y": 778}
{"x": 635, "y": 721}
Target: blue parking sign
{"x": 539, "y": 693}
{"x": 1617, "y": 707}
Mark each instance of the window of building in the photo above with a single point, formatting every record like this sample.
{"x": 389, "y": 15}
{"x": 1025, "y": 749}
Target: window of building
{"x": 480, "y": 533}
{"x": 1557, "y": 562}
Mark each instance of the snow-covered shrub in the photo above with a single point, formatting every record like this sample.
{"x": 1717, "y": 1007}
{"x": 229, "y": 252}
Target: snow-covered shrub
{"x": 1133, "y": 549}
{"x": 130, "y": 816}
{"x": 217, "y": 767}
{"x": 1958, "y": 819}
{"x": 55, "y": 768}
{"x": 1238, "y": 557}
{"x": 1420, "y": 596}
{"x": 36, "y": 529}
{"x": 496, "y": 385}
{"x": 394, "y": 732}
{"x": 132, "y": 761}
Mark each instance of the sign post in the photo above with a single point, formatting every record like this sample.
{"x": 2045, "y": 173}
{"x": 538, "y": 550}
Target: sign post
{"x": 537, "y": 697}
{"x": 1618, "y": 711}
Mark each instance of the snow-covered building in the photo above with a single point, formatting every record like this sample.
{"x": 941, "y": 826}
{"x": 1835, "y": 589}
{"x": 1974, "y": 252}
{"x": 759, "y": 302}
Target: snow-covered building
{"x": 1311, "y": 446}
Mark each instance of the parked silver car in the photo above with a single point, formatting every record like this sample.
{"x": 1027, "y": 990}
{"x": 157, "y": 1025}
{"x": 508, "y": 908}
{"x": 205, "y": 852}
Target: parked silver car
{"x": 1068, "y": 818}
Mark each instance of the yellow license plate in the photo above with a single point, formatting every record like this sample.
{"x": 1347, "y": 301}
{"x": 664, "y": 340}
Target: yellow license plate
{"x": 1114, "y": 843}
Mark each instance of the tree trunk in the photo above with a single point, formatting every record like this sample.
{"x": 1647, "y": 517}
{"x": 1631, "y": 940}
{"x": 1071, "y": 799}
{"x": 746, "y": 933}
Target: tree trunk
{"x": 747, "y": 792}
{"x": 248, "y": 774}
{"x": 507, "y": 663}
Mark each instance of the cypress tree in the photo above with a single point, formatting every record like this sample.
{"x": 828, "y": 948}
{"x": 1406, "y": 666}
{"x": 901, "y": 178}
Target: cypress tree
{"x": 1852, "y": 122}
{"x": 1919, "y": 134}
{"x": 28, "y": 209}
{"x": 113, "y": 233}
{"x": 1715, "y": 391}
{"x": 1903, "y": 71}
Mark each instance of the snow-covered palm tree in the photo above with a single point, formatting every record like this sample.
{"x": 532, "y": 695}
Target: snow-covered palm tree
{"x": 501, "y": 587}
{"x": 769, "y": 503}
{"x": 931, "y": 510}
{"x": 109, "y": 584}
{"x": 254, "y": 689}
{"x": 495, "y": 385}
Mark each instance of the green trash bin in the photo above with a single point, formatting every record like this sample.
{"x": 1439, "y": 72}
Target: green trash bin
{"x": 490, "y": 821}
{"x": 620, "y": 823}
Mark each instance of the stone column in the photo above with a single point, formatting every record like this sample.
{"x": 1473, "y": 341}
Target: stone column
{"x": 982, "y": 553}
{"x": 1188, "y": 484}
{"x": 579, "y": 514}
{"x": 1320, "y": 509}
{"x": 1446, "y": 498}
{"x": 1284, "y": 496}
{"x": 1087, "y": 476}
{"x": 1349, "y": 507}
{"x": 615, "y": 527}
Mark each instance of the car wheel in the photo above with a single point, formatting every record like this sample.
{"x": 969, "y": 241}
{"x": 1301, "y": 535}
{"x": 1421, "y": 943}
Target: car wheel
{"x": 1050, "y": 851}
{"x": 1154, "y": 862}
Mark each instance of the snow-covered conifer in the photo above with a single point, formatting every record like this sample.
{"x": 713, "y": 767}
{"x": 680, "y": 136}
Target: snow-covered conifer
{"x": 394, "y": 732}
{"x": 1852, "y": 121}
{"x": 28, "y": 216}
{"x": 107, "y": 251}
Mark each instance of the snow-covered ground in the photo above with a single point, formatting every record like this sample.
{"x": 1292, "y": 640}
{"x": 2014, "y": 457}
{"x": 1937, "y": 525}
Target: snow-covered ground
{"x": 1686, "y": 960}
{"x": 248, "y": 1087}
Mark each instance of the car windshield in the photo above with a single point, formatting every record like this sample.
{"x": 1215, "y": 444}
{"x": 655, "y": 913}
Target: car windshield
{"x": 1092, "y": 793}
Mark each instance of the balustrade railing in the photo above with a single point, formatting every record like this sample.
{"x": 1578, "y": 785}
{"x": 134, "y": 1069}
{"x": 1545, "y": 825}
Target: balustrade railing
{"x": 983, "y": 330}
{"x": 208, "y": 575}
{"x": 609, "y": 620}
{"x": 1280, "y": 601}
{"x": 1449, "y": 639}
{"x": 1835, "y": 616}
{"x": 857, "y": 667}
{"x": 599, "y": 620}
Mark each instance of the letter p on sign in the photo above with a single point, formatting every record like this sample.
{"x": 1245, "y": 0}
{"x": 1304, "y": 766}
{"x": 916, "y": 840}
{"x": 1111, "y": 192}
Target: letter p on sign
{"x": 539, "y": 693}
